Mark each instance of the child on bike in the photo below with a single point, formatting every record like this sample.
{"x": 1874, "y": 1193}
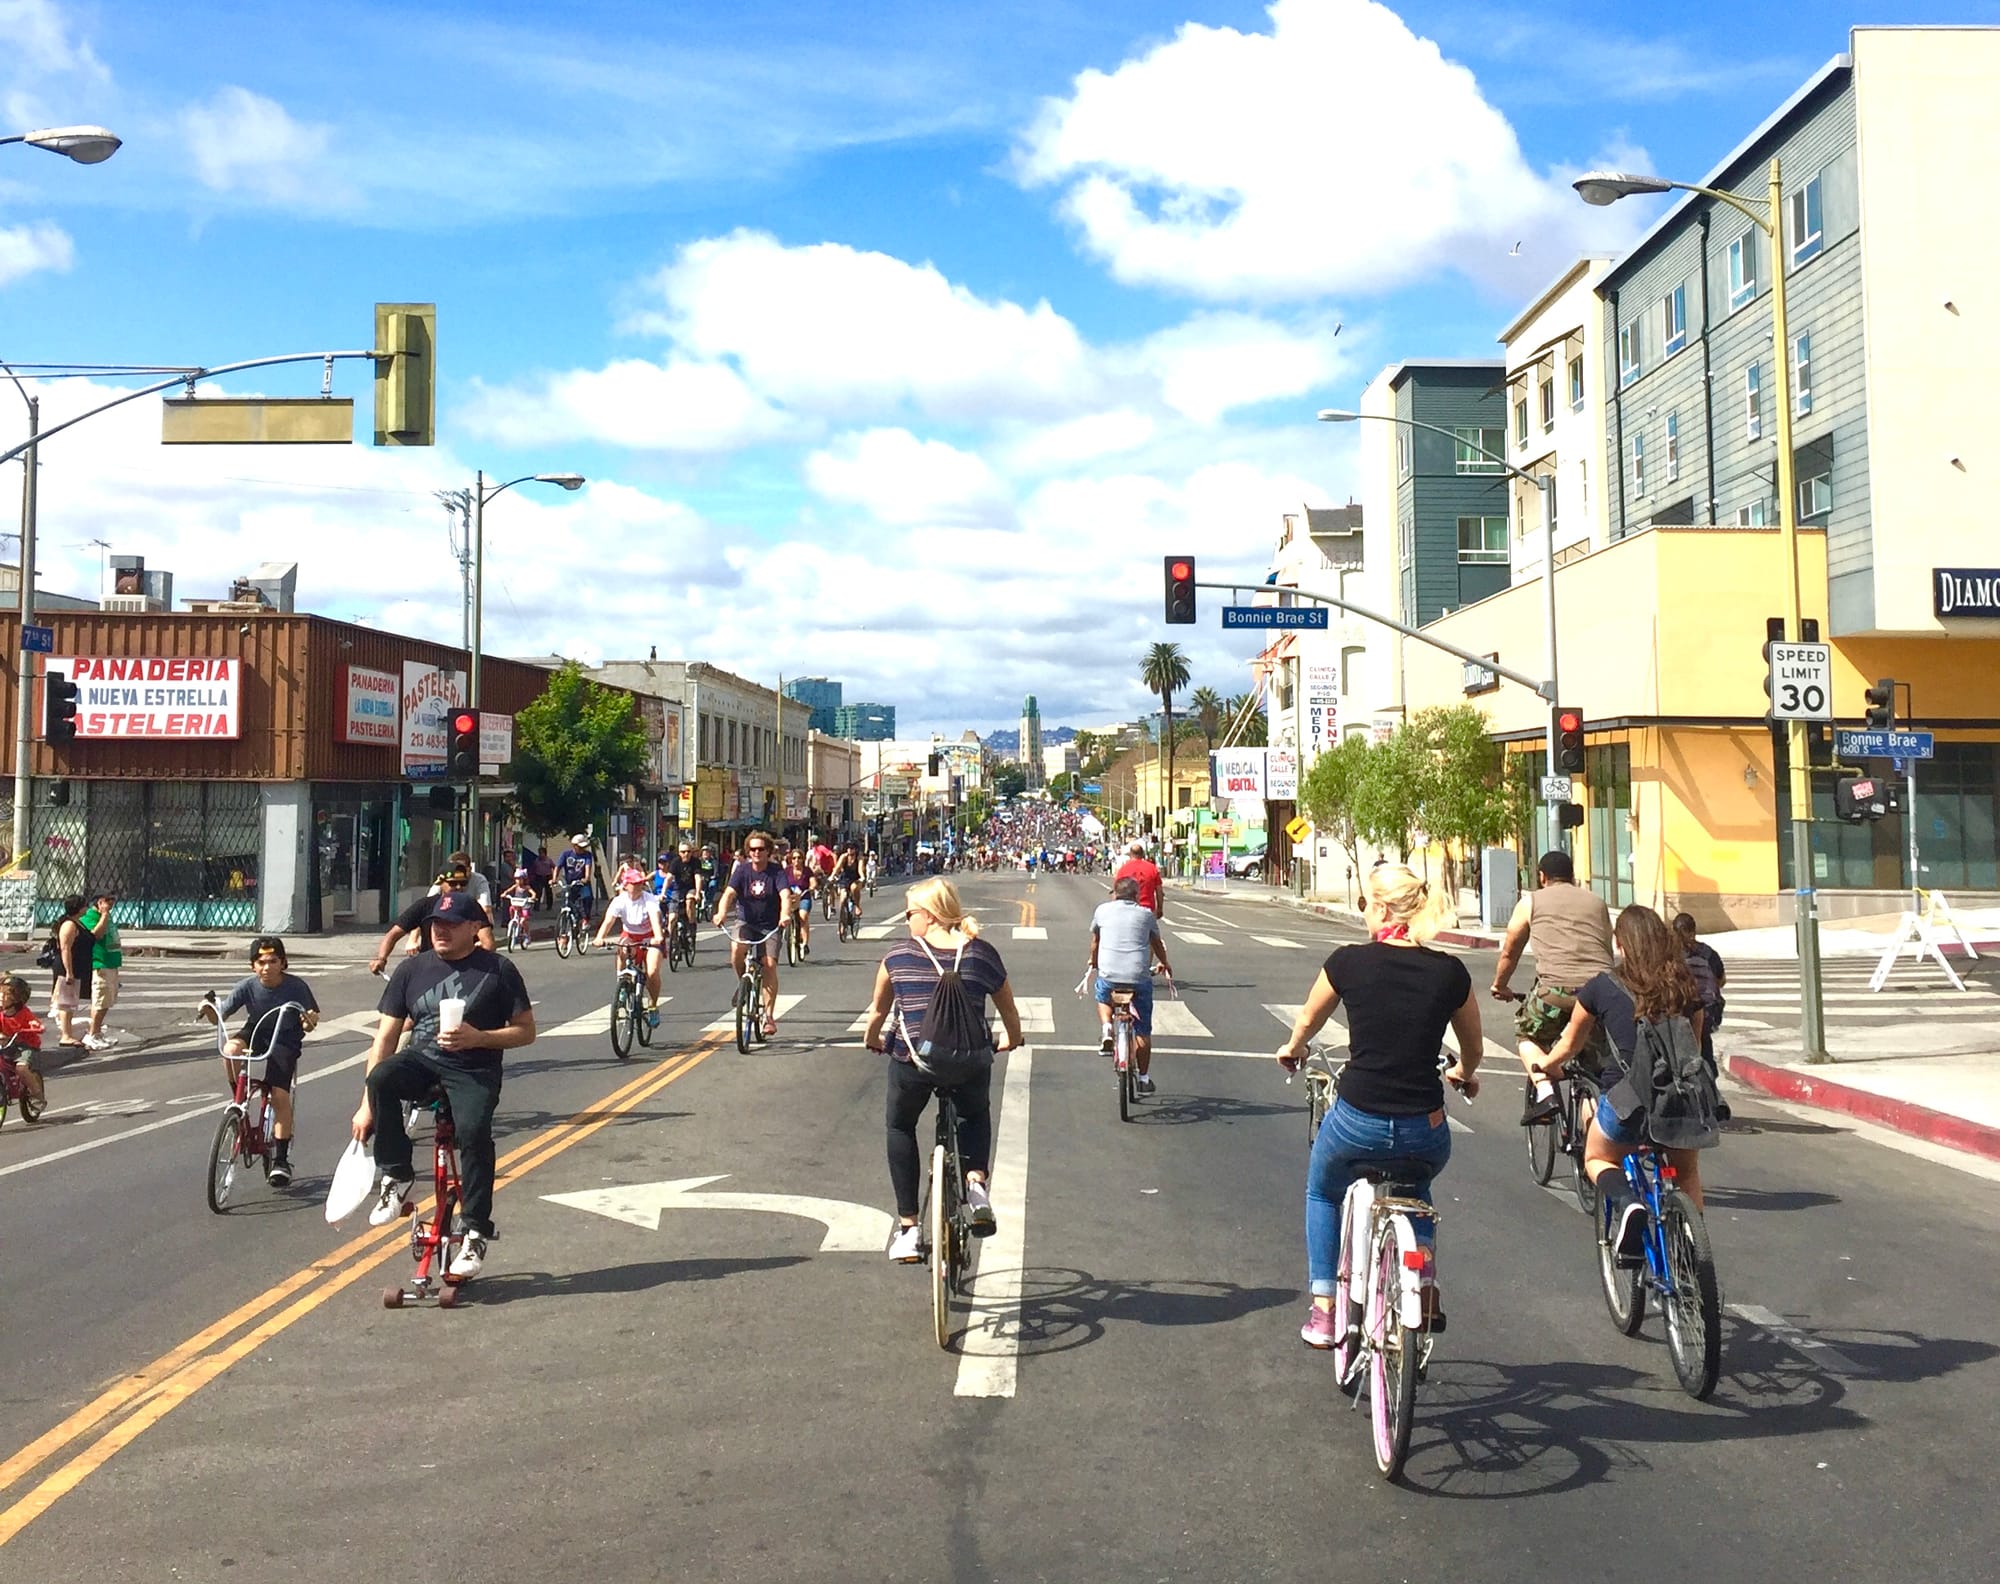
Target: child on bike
{"x": 520, "y": 900}
{"x": 19, "y": 1024}
{"x": 279, "y": 1037}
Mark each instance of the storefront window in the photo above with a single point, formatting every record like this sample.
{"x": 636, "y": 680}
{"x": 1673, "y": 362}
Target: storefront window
{"x": 1608, "y": 773}
{"x": 180, "y": 854}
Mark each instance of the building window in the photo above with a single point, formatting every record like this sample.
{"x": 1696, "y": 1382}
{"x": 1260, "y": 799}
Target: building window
{"x": 1406, "y": 455}
{"x": 1482, "y": 539}
{"x": 1743, "y": 270}
{"x": 1628, "y": 354}
{"x": 1469, "y": 442}
{"x": 1673, "y": 458}
{"x": 1548, "y": 404}
{"x": 1802, "y": 373}
{"x": 1751, "y": 516}
{"x": 1576, "y": 383}
{"x": 1406, "y": 540}
{"x": 1674, "y": 320}
{"x": 1753, "y": 401}
{"x": 1638, "y": 464}
{"x": 1521, "y": 421}
{"x": 1802, "y": 210}
{"x": 1815, "y": 496}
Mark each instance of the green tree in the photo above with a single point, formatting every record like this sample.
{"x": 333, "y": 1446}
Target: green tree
{"x": 1164, "y": 670}
{"x": 1330, "y": 790}
{"x": 1207, "y": 706}
{"x": 976, "y": 809}
{"x": 1385, "y": 798}
{"x": 1460, "y": 778}
{"x": 1009, "y": 781}
{"x": 572, "y": 747}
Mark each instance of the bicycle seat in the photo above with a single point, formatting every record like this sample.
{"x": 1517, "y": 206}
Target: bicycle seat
{"x": 436, "y": 1099}
{"x": 1122, "y": 995}
{"x": 1401, "y": 1171}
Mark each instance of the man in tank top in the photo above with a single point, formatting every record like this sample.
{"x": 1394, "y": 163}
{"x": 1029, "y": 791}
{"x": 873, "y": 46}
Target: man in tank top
{"x": 1568, "y": 928}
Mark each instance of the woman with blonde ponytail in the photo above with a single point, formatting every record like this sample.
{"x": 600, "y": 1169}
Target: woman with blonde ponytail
{"x": 1400, "y": 996}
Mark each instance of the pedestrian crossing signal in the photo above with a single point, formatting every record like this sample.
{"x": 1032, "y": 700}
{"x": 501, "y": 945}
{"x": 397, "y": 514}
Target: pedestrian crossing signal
{"x": 1180, "y": 591}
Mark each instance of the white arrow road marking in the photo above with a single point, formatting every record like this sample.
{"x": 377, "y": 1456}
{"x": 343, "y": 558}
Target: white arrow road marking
{"x": 726, "y": 1024}
{"x": 850, "y": 1228}
{"x": 989, "y": 1349}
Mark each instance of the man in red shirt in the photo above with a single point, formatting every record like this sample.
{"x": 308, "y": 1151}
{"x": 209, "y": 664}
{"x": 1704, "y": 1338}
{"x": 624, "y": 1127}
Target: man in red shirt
{"x": 1142, "y": 870}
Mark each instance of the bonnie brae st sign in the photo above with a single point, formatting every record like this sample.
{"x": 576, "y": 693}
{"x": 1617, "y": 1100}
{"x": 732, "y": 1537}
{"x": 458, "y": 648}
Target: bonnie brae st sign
{"x": 1965, "y": 591}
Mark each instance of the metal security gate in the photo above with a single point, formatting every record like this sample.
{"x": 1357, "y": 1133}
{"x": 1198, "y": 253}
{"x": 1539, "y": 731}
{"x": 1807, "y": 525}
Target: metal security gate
{"x": 178, "y": 854}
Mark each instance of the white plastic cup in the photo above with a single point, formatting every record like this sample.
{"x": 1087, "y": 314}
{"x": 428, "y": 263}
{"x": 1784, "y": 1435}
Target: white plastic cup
{"x": 451, "y": 1013}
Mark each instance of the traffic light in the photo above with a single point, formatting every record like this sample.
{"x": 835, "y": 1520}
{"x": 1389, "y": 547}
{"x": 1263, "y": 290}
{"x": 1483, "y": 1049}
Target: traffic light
{"x": 441, "y": 799}
{"x": 1569, "y": 816}
{"x": 937, "y": 760}
{"x": 1862, "y": 798}
{"x": 1180, "y": 591}
{"x": 1882, "y": 705}
{"x": 58, "y": 708}
{"x": 465, "y": 745}
{"x": 406, "y": 375}
{"x": 1774, "y": 633}
{"x": 1569, "y": 741}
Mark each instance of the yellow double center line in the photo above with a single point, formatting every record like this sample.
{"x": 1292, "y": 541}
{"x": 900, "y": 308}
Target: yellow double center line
{"x": 1028, "y": 919}
{"x": 134, "y": 1403}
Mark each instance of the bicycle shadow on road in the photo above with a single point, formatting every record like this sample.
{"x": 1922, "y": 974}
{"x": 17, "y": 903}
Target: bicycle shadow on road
{"x": 1063, "y": 1308}
{"x": 1767, "y": 1198}
{"x": 1165, "y": 1110}
{"x": 514, "y": 1286}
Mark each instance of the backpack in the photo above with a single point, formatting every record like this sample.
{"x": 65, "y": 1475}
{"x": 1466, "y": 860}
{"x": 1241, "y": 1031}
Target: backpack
{"x": 1671, "y": 1085}
{"x": 955, "y": 1045}
{"x": 1707, "y": 991}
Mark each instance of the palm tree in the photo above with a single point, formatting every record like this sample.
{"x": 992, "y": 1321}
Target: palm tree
{"x": 1207, "y": 706}
{"x": 1164, "y": 670}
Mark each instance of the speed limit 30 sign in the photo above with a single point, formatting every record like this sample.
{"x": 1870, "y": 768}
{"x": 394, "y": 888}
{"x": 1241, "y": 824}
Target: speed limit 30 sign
{"x": 1801, "y": 681}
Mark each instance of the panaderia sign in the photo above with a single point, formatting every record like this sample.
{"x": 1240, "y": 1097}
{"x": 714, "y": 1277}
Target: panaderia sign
{"x": 153, "y": 698}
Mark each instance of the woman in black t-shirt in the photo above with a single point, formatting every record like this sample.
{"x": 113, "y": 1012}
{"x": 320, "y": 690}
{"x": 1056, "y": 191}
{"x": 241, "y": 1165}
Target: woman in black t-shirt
{"x": 1400, "y": 998}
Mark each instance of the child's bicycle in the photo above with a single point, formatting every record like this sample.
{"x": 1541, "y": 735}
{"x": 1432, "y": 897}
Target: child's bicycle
{"x": 432, "y": 1240}
{"x": 20, "y": 1084}
{"x": 244, "y": 1135}
{"x": 520, "y": 933}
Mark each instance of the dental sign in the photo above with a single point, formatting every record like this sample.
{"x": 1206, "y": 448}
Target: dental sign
{"x": 1965, "y": 592}
{"x": 153, "y": 698}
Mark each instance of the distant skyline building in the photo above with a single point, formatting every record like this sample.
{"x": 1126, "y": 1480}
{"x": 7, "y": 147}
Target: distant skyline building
{"x": 821, "y": 695}
{"x": 1031, "y": 742}
{"x": 865, "y": 722}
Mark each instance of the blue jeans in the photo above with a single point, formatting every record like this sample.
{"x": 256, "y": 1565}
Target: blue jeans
{"x": 1347, "y": 1140}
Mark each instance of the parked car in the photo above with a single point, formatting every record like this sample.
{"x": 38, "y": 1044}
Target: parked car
{"x": 1244, "y": 865}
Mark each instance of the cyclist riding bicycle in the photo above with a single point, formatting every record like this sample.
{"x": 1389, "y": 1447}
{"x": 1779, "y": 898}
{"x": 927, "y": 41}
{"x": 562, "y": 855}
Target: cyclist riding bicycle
{"x": 487, "y": 994}
{"x": 636, "y": 913}
{"x": 279, "y": 1038}
{"x": 520, "y": 900}
{"x": 803, "y": 884}
{"x": 1124, "y": 942}
{"x": 940, "y": 931}
{"x": 1569, "y": 929}
{"x": 684, "y": 883}
{"x": 871, "y": 868}
{"x": 847, "y": 876}
{"x": 710, "y": 872}
{"x": 763, "y": 906}
{"x": 1400, "y": 997}
{"x": 410, "y": 921}
{"x": 575, "y": 870}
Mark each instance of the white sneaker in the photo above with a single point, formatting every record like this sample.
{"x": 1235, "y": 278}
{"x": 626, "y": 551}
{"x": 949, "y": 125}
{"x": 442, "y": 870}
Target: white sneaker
{"x": 95, "y": 1042}
{"x": 471, "y": 1256}
{"x": 981, "y": 1208}
{"x": 908, "y": 1247}
{"x": 390, "y": 1201}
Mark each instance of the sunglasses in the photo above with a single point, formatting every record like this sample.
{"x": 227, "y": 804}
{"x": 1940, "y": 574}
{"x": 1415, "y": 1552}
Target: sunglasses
{"x": 756, "y": 852}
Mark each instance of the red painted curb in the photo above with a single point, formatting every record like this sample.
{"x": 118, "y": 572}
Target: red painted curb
{"x": 1904, "y": 1116}
{"x": 1462, "y": 938}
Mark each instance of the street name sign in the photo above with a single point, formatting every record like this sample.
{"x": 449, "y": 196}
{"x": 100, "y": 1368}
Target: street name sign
{"x": 1852, "y": 744}
{"x": 1556, "y": 789}
{"x": 38, "y": 640}
{"x": 1802, "y": 681}
{"x": 1289, "y": 618}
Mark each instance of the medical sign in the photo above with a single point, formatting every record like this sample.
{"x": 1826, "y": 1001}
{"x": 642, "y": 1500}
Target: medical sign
{"x": 368, "y": 708}
{"x": 1237, "y": 772}
{"x": 1322, "y": 688}
{"x": 1281, "y": 773}
{"x": 153, "y": 698}
{"x": 430, "y": 694}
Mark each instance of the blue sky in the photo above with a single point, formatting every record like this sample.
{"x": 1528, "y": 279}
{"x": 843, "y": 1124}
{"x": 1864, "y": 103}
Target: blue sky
{"x": 897, "y": 340}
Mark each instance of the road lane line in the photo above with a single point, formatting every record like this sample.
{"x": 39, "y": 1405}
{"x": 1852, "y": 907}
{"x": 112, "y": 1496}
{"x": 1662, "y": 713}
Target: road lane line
{"x": 1213, "y": 918}
{"x": 990, "y": 1346}
{"x": 161, "y": 1387}
{"x": 1030, "y": 932}
{"x": 726, "y": 1024}
{"x": 1192, "y": 937}
{"x": 1279, "y": 941}
{"x": 1175, "y": 1017}
{"x": 1803, "y": 1343}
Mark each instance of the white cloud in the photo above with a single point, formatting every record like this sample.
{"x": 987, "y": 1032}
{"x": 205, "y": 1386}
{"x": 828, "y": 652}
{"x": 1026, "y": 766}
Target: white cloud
{"x": 676, "y": 406}
{"x": 244, "y": 143}
{"x": 1079, "y": 440}
{"x": 38, "y": 245}
{"x": 46, "y": 71}
{"x": 903, "y": 481}
{"x": 1336, "y": 153}
{"x": 1213, "y": 363}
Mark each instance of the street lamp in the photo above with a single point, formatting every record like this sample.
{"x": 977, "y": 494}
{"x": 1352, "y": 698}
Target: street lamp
{"x": 1606, "y": 187}
{"x": 87, "y": 145}
{"x": 480, "y": 494}
{"x": 1545, "y": 483}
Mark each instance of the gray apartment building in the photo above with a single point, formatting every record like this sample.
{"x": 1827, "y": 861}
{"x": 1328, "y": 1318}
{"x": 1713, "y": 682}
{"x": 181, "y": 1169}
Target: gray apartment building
{"x": 1451, "y": 502}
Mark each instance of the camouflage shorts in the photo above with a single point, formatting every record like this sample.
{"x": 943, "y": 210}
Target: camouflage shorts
{"x": 1543, "y": 1014}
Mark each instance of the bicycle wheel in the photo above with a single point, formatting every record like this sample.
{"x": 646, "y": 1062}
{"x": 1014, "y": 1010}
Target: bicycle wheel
{"x": 1583, "y": 1106}
{"x": 224, "y": 1156}
{"x": 1392, "y": 1359}
{"x": 942, "y": 1231}
{"x": 674, "y": 949}
{"x": 621, "y": 1020}
{"x": 565, "y": 934}
{"x": 746, "y": 1013}
{"x": 32, "y": 1106}
{"x": 1624, "y": 1288}
{"x": 1121, "y": 1068}
{"x": 1693, "y": 1310}
{"x": 1541, "y": 1144}
{"x": 642, "y": 1020}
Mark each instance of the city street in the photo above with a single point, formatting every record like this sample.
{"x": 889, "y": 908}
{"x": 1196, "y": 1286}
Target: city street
{"x": 649, "y": 1381}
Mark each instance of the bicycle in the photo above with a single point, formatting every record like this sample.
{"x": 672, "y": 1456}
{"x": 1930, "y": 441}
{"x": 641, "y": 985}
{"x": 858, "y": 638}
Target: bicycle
{"x": 1124, "y": 1059}
{"x": 432, "y": 1241}
{"x": 795, "y": 935}
{"x": 520, "y": 933}
{"x": 15, "y": 1087}
{"x": 1564, "y": 1133}
{"x": 1319, "y": 1076}
{"x": 630, "y": 1021}
{"x": 245, "y": 1132}
{"x": 1678, "y": 1269}
{"x": 947, "y": 1236}
{"x": 680, "y": 940}
{"x": 572, "y": 930}
{"x": 749, "y": 999}
{"x": 850, "y": 916}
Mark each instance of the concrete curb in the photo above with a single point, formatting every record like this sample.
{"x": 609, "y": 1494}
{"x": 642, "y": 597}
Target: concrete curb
{"x": 1901, "y": 1116}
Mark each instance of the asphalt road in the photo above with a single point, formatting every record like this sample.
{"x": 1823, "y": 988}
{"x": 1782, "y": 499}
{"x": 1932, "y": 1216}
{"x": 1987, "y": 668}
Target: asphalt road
{"x": 718, "y": 1396}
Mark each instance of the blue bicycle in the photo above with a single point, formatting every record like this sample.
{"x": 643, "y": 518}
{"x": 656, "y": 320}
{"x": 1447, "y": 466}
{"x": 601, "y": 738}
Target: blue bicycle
{"x": 1678, "y": 1269}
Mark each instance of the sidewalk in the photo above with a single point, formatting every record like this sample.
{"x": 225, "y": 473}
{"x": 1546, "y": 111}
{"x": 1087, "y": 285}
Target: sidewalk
{"x": 348, "y": 945}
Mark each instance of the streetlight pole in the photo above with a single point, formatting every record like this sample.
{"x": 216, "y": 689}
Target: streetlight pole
{"x": 1606, "y": 187}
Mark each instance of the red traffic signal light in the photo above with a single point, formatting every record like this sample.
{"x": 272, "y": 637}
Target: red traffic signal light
{"x": 464, "y": 744}
{"x": 1569, "y": 741}
{"x": 1180, "y": 590}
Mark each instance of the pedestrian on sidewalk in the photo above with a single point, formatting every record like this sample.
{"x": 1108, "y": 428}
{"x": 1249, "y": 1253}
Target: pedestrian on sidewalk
{"x": 107, "y": 959}
{"x": 1705, "y": 964}
{"x": 69, "y": 958}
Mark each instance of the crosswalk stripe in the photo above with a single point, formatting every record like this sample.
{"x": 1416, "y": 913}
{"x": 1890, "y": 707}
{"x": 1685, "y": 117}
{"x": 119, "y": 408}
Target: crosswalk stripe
{"x": 1177, "y": 1017}
{"x": 874, "y": 932}
{"x": 726, "y": 1024}
{"x": 1030, "y": 932}
{"x": 1195, "y": 938}
{"x": 1278, "y": 941}
{"x": 1286, "y": 1013}
{"x": 594, "y": 1022}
